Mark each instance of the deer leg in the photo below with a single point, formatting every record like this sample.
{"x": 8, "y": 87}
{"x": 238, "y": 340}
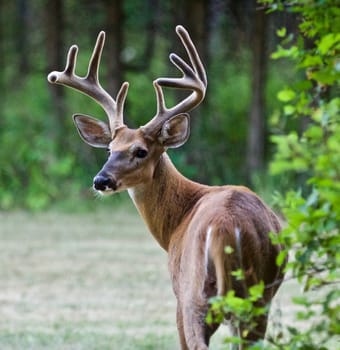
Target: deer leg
{"x": 180, "y": 328}
{"x": 197, "y": 332}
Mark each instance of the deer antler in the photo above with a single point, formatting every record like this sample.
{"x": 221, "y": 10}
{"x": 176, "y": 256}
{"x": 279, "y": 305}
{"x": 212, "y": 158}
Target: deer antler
{"x": 194, "y": 78}
{"x": 90, "y": 85}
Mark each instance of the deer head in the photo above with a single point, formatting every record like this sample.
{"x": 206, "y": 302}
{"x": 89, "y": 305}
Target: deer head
{"x": 134, "y": 153}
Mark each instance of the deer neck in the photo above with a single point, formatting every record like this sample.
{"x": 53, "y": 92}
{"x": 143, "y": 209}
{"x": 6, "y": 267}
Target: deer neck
{"x": 164, "y": 202}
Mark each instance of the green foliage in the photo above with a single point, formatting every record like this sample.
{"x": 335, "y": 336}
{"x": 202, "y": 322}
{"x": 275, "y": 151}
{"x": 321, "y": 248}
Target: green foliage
{"x": 27, "y": 153}
{"x": 244, "y": 311}
{"x": 312, "y": 208}
{"x": 312, "y": 212}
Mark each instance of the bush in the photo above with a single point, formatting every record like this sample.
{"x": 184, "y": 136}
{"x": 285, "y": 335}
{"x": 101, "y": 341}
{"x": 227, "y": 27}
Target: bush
{"x": 311, "y": 156}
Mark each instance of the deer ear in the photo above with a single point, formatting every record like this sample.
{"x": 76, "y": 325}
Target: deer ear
{"x": 93, "y": 131}
{"x": 175, "y": 131}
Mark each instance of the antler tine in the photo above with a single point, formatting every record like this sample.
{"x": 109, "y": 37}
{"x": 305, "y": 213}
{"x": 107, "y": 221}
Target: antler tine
{"x": 192, "y": 53}
{"x": 90, "y": 85}
{"x": 121, "y": 96}
{"x": 71, "y": 60}
{"x": 92, "y": 72}
{"x": 194, "y": 78}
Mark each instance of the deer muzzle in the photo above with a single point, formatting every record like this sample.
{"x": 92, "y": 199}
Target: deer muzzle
{"x": 104, "y": 183}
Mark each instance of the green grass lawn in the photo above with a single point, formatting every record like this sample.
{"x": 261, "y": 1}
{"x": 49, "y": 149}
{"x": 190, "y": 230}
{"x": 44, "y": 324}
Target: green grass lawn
{"x": 94, "y": 280}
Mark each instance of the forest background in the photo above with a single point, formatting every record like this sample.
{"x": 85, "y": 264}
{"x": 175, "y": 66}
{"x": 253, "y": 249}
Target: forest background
{"x": 42, "y": 159}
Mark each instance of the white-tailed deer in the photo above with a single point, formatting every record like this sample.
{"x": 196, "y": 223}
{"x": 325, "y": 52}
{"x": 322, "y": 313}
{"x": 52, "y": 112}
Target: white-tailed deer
{"x": 192, "y": 222}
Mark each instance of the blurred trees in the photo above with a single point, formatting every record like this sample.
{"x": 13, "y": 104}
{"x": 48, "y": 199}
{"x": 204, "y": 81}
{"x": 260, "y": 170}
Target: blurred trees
{"x": 41, "y": 155}
{"x": 114, "y": 27}
{"x": 53, "y": 14}
{"x": 257, "y": 122}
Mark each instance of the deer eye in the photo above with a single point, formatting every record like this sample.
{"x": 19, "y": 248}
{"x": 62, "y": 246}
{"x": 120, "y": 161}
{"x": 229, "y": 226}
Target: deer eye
{"x": 140, "y": 153}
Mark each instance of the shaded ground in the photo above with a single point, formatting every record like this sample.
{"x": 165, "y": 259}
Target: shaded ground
{"x": 85, "y": 281}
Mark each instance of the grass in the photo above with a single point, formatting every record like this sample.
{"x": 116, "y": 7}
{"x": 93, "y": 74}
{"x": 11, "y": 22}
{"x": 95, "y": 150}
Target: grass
{"x": 93, "y": 280}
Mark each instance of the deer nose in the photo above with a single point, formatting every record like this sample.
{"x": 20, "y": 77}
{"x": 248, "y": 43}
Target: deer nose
{"x": 103, "y": 183}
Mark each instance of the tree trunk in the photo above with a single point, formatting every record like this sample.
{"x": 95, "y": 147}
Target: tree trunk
{"x": 114, "y": 44}
{"x": 56, "y": 61}
{"x": 142, "y": 63}
{"x": 22, "y": 37}
{"x": 196, "y": 20}
{"x": 257, "y": 124}
{"x": 3, "y": 62}
{"x": 194, "y": 15}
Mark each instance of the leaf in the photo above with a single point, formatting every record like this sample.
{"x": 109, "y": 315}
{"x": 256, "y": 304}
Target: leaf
{"x": 256, "y": 291}
{"x": 286, "y": 95}
{"x": 326, "y": 76}
{"x": 281, "y": 258}
{"x": 327, "y": 42}
{"x": 292, "y": 52}
{"x": 311, "y": 61}
{"x": 233, "y": 340}
{"x": 228, "y": 249}
{"x": 238, "y": 274}
{"x": 281, "y": 32}
{"x": 289, "y": 109}
{"x": 314, "y": 133}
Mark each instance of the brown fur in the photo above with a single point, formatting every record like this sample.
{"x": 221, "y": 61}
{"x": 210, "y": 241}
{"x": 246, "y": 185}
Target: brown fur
{"x": 181, "y": 229}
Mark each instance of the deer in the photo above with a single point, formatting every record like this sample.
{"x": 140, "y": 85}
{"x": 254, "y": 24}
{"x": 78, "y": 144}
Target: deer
{"x": 192, "y": 222}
